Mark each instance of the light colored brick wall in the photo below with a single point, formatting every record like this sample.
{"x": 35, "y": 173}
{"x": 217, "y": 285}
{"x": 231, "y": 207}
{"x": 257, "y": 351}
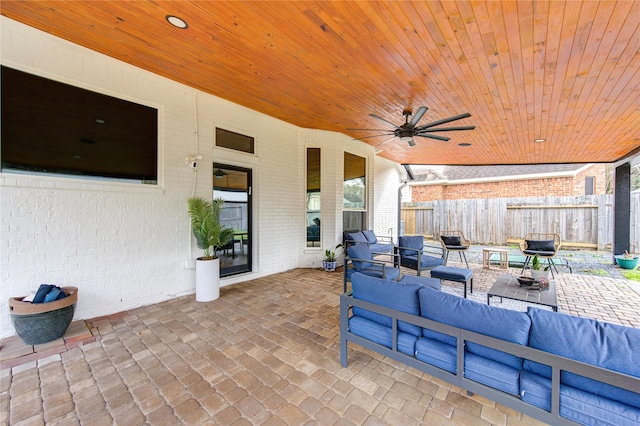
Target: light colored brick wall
{"x": 127, "y": 245}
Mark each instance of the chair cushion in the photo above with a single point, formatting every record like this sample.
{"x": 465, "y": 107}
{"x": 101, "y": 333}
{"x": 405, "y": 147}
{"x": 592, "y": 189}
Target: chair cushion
{"x": 479, "y": 318}
{"x": 540, "y": 245}
{"x": 391, "y": 294}
{"x": 426, "y": 281}
{"x": 378, "y": 333}
{"x": 451, "y": 241}
{"x": 381, "y": 248}
{"x": 360, "y": 251}
{"x": 370, "y": 236}
{"x": 580, "y": 406}
{"x": 539, "y": 253}
{"x": 426, "y": 261}
{"x": 606, "y": 345}
{"x": 452, "y": 273}
{"x": 357, "y": 237}
{"x": 415, "y": 242}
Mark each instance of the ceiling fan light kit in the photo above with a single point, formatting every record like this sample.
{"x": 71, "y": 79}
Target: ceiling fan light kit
{"x": 407, "y": 131}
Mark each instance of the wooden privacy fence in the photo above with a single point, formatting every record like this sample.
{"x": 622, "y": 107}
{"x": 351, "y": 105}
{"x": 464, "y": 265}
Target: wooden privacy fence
{"x": 582, "y": 222}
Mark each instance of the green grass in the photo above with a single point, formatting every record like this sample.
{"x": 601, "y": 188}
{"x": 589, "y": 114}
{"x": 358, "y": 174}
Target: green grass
{"x": 633, "y": 275}
{"x": 597, "y": 272}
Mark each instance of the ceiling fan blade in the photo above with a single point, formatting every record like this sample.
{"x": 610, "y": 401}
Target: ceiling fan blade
{"x": 417, "y": 116}
{"x": 375, "y": 136}
{"x": 437, "y": 137}
{"x": 443, "y": 121}
{"x": 388, "y": 140}
{"x": 382, "y": 119}
{"x": 447, "y": 129}
{"x": 373, "y": 130}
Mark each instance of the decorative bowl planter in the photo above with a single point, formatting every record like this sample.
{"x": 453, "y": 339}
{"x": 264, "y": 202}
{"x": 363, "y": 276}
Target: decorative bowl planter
{"x": 626, "y": 262}
{"x": 329, "y": 266}
{"x": 38, "y": 323}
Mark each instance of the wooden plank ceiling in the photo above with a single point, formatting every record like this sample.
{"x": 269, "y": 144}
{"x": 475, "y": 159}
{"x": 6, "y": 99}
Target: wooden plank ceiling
{"x": 567, "y": 72}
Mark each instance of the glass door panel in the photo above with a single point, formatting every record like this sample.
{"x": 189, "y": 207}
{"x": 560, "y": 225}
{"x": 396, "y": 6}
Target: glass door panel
{"x": 233, "y": 185}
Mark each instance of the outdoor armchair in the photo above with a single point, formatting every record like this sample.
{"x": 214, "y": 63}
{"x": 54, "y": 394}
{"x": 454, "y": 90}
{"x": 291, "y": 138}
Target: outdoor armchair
{"x": 381, "y": 244}
{"x": 359, "y": 258}
{"x": 454, "y": 241}
{"x": 416, "y": 255}
{"x": 546, "y": 246}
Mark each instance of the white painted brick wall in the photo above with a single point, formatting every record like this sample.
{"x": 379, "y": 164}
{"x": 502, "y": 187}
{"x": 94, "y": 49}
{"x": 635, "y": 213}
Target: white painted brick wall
{"x": 125, "y": 245}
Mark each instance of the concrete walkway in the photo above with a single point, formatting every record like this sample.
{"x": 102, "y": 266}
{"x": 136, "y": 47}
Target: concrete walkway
{"x": 265, "y": 353}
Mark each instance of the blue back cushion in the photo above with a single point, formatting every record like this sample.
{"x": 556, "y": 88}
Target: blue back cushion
{"x": 357, "y": 237}
{"x": 370, "y": 236}
{"x": 496, "y": 322}
{"x": 415, "y": 242}
{"x": 360, "y": 251}
{"x": 611, "y": 346}
{"x": 391, "y": 294}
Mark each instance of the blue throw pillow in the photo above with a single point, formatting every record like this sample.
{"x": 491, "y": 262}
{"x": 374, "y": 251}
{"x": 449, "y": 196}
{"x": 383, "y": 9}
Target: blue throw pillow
{"x": 390, "y": 294}
{"x": 415, "y": 242}
{"x": 360, "y": 251}
{"x": 370, "y": 236}
{"x": 357, "y": 237}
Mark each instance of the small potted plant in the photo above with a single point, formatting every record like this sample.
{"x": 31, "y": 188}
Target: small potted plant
{"x": 329, "y": 262}
{"x": 538, "y": 269}
{"x": 210, "y": 236}
{"x": 626, "y": 260}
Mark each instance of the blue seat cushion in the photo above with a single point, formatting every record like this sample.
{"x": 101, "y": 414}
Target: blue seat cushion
{"x": 370, "y": 236}
{"x": 390, "y": 294}
{"x": 479, "y": 318}
{"x": 357, "y": 237}
{"x": 360, "y": 251}
{"x": 577, "y": 405}
{"x": 376, "y": 271}
{"x": 452, "y": 274}
{"x": 437, "y": 353}
{"x": 606, "y": 345}
{"x": 416, "y": 242}
{"x": 381, "y": 248}
{"x": 426, "y": 281}
{"x": 492, "y": 373}
{"x": 381, "y": 334}
{"x": 426, "y": 261}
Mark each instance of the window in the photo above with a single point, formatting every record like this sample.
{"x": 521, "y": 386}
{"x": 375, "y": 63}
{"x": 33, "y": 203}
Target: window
{"x": 313, "y": 197}
{"x": 355, "y": 190}
{"x": 235, "y": 141}
{"x": 589, "y": 183}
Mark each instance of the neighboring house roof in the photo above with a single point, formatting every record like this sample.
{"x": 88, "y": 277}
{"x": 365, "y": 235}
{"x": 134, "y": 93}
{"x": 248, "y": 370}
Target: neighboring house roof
{"x": 425, "y": 175}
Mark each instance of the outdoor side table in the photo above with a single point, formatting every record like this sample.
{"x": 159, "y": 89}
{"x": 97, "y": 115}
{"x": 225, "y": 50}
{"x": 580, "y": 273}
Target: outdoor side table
{"x": 503, "y": 259}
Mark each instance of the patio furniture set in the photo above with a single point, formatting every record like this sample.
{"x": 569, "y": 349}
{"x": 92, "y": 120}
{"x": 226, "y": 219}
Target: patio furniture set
{"x": 545, "y": 364}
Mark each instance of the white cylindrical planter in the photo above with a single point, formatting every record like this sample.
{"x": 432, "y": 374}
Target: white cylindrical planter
{"x": 207, "y": 280}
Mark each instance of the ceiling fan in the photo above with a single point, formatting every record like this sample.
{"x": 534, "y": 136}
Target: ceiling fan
{"x": 407, "y": 131}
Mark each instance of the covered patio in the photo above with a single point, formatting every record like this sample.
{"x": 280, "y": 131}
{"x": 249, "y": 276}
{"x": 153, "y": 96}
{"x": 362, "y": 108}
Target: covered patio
{"x": 265, "y": 353}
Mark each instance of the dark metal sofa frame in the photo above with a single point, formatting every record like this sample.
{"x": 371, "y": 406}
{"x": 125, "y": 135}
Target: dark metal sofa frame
{"x": 556, "y": 362}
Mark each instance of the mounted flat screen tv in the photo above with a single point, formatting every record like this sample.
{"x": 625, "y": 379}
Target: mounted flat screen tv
{"x": 52, "y": 128}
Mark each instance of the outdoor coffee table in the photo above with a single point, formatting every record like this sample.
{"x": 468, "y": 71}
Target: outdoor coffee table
{"x": 507, "y": 286}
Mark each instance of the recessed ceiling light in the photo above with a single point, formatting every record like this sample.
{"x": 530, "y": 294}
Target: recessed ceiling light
{"x": 177, "y": 22}
{"x": 539, "y": 140}
{"x": 100, "y": 121}
{"x": 464, "y": 144}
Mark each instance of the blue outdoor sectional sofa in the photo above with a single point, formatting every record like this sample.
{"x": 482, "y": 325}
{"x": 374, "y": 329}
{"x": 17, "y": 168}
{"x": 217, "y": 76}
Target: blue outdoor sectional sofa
{"x": 558, "y": 368}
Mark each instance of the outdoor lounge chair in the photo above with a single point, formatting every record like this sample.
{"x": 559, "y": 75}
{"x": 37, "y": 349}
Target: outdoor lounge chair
{"x": 546, "y": 246}
{"x": 412, "y": 254}
{"x": 454, "y": 241}
{"x": 358, "y": 258}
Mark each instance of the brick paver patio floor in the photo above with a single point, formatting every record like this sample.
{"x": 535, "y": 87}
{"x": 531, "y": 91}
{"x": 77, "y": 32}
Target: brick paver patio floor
{"x": 265, "y": 353}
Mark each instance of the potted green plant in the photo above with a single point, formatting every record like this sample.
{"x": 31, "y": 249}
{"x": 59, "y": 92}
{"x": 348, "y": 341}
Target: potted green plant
{"x": 210, "y": 236}
{"x": 626, "y": 260}
{"x": 538, "y": 269}
{"x": 329, "y": 262}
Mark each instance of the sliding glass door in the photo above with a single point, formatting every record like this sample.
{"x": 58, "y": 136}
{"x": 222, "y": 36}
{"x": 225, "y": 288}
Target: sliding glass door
{"x": 233, "y": 185}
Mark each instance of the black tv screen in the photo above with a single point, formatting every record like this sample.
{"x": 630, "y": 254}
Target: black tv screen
{"x": 50, "y": 127}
